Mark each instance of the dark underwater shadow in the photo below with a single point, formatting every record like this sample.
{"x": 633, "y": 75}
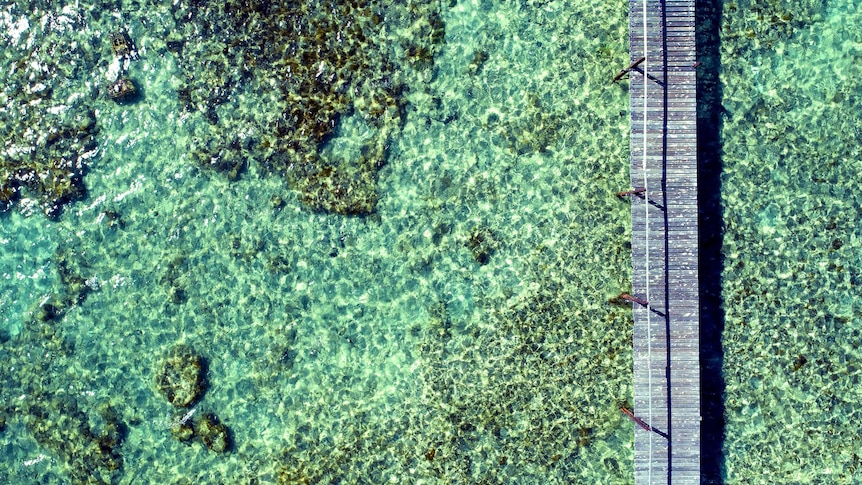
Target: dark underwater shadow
{"x": 711, "y": 230}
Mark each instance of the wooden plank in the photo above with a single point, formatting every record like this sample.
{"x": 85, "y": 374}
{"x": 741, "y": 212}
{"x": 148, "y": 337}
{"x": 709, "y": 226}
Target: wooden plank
{"x": 667, "y": 230}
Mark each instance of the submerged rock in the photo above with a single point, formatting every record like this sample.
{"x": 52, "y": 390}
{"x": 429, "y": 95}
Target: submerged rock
{"x": 8, "y": 195}
{"x": 122, "y": 45}
{"x": 48, "y": 122}
{"x": 182, "y": 427}
{"x": 213, "y": 433}
{"x": 46, "y": 162}
{"x": 181, "y": 376}
{"x": 123, "y": 90}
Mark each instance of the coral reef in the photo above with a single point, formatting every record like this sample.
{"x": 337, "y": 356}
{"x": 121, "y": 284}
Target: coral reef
{"x": 90, "y": 451}
{"x": 330, "y": 61}
{"x": 213, "y": 433}
{"x": 47, "y": 122}
{"x": 182, "y": 376}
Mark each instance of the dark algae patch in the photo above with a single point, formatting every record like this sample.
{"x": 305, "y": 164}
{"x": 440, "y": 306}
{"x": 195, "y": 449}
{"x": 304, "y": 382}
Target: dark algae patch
{"x": 47, "y": 158}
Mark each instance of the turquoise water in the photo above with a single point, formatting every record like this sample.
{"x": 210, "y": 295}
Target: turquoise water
{"x": 793, "y": 265}
{"x": 458, "y": 333}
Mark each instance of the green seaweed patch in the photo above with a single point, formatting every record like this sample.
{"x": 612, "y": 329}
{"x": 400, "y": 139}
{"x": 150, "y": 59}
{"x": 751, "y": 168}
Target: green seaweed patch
{"x": 113, "y": 219}
{"x": 228, "y": 157}
{"x": 74, "y": 286}
{"x": 213, "y": 69}
{"x": 72, "y": 269}
{"x": 543, "y": 383}
{"x": 480, "y": 57}
{"x": 313, "y": 460}
{"x": 349, "y": 189}
{"x": 760, "y": 24}
{"x": 297, "y": 474}
{"x": 175, "y": 279}
{"x": 278, "y": 358}
{"x": 428, "y": 32}
{"x": 534, "y": 129}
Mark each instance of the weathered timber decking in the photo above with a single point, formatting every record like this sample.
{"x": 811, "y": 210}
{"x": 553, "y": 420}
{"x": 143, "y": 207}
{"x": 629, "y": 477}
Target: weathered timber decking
{"x": 666, "y": 332}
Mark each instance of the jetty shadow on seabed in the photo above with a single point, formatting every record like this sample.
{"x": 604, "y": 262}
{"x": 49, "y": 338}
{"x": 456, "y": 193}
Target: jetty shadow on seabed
{"x": 711, "y": 230}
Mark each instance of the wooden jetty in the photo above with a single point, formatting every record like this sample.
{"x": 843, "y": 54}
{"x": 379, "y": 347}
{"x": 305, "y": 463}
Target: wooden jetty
{"x": 664, "y": 241}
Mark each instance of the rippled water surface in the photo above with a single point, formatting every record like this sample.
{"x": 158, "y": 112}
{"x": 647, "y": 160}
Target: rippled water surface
{"x": 386, "y": 237}
{"x": 793, "y": 265}
{"x": 370, "y": 243}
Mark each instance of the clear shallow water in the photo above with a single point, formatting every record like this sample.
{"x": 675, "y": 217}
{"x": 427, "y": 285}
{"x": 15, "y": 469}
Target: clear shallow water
{"x": 791, "y": 193}
{"x": 356, "y": 348}
{"x": 339, "y": 349}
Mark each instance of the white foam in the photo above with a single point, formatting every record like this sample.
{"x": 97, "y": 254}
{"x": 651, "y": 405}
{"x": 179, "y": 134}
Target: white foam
{"x": 13, "y": 27}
